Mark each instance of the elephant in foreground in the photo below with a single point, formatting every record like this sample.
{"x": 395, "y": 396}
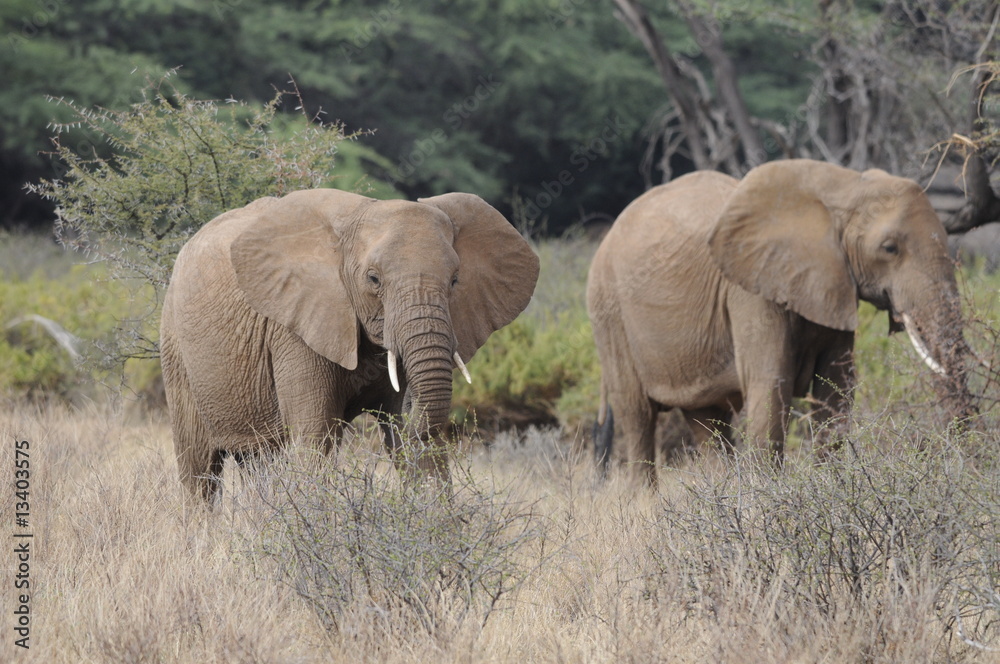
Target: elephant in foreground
{"x": 712, "y": 294}
{"x": 291, "y": 316}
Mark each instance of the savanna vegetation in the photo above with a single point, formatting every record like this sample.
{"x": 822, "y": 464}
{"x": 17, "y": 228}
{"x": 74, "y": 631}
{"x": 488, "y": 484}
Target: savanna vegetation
{"x": 889, "y": 552}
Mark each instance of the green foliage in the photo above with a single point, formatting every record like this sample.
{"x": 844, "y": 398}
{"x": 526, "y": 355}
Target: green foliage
{"x": 466, "y": 96}
{"x": 83, "y": 301}
{"x": 425, "y": 556}
{"x": 542, "y": 367}
{"x": 176, "y": 163}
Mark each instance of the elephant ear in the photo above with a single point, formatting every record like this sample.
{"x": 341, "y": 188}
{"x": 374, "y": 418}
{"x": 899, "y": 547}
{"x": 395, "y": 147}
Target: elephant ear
{"x": 776, "y": 238}
{"x": 288, "y": 264}
{"x": 496, "y": 274}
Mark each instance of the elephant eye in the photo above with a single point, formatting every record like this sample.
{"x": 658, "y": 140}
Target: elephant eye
{"x": 890, "y": 248}
{"x": 454, "y": 281}
{"x": 374, "y": 280}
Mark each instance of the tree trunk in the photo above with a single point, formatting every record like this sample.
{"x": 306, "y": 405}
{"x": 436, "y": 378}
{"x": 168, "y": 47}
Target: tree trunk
{"x": 708, "y": 35}
{"x": 685, "y": 97}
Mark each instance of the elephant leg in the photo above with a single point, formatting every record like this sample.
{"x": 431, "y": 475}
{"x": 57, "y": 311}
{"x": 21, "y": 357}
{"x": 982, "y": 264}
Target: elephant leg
{"x": 634, "y": 415}
{"x": 833, "y": 390}
{"x": 603, "y": 436}
{"x": 707, "y": 423}
{"x": 767, "y": 405}
{"x": 199, "y": 460}
{"x": 762, "y": 343}
{"x": 636, "y": 418}
{"x": 309, "y": 401}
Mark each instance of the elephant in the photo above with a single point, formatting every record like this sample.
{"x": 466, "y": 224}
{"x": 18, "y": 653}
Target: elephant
{"x": 291, "y": 316}
{"x": 712, "y": 295}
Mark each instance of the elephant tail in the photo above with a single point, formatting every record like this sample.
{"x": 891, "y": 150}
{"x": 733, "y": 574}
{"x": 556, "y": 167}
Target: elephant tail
{"x": 602, "y": 407}
{"x": 604, "y": 431}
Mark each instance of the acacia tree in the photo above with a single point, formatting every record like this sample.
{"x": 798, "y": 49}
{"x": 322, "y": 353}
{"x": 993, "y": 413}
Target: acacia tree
{"x": 175, "y": 163}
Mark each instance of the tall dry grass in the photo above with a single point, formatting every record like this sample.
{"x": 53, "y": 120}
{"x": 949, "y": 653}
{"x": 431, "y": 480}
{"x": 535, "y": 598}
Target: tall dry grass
{"x": 890, "y": 554}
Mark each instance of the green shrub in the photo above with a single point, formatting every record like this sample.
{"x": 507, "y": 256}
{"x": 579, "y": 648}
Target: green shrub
{"x": 175, "y": 163}
{"x": 543, "y": 367}
{"x": 83, "y": 301}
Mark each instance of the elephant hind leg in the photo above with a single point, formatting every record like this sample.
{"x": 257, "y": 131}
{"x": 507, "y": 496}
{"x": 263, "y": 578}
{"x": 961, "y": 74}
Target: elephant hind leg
{"x": 199, "y": 462}
{"x": 637, "y": 421}
{"x": 198, "y": 465}
{"x": 604, "y": 434}
{"x": 201, "y": 474}
{"x": 634, "y": 416}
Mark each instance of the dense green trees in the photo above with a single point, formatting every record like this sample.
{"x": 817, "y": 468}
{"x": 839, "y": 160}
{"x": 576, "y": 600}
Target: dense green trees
{"x": 551, "y": 109}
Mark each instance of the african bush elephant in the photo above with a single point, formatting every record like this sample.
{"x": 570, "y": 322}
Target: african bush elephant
{"x": 285, "y": 319}
{"x": 711, "y": 294}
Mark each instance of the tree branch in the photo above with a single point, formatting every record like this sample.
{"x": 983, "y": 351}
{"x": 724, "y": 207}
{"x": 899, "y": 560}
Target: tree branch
{"x": 636, "y": 19}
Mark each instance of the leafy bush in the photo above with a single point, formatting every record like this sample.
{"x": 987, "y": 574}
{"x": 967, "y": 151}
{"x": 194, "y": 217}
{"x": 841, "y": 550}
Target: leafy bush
{"x": 176, "y": 163}
{"x": 82, "y": 300}
{"x": 420, "y": 556}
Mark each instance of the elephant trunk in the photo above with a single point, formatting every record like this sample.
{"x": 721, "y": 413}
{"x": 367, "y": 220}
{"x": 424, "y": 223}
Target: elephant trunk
{"x": 936, "y": 334}
{"x": 422, "y": 335}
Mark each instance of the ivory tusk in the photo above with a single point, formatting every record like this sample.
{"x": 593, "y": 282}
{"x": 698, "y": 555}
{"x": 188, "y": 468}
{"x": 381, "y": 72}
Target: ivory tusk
{"x": 918, "y": 345}
{"x": 393, "y": 377}
{"x": 462, "y": 368}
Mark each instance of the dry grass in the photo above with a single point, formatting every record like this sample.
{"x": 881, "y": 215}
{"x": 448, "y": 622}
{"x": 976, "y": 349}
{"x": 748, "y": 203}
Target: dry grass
{"x": 604, "y": 573}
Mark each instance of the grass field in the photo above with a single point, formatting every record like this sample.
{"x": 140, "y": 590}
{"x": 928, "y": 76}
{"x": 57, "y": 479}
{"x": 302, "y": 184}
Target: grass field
{"x": 889, "y": 553}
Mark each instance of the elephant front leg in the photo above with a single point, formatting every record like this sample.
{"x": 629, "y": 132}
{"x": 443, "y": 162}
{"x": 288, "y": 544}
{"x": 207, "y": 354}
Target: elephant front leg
{"x": 311, "y": 393}
{"x": 762, "y": 342}
{"x": 767, "y": 405}
{"x": 833, "y": 392}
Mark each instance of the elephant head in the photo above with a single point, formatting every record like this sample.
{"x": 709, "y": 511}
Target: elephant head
{"x": 817, "y": 237}
{"x": 426, "y": 281}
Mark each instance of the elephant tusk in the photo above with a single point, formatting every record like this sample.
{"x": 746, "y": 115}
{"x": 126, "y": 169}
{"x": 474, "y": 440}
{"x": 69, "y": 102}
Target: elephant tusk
{"x": 462, "y": 368}
{"x": 918, "y": 345}
{"x": 393, "y": 377}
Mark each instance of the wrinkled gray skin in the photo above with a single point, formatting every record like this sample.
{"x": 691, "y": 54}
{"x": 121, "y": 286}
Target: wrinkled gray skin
{"x": 278, "y": 317}
{"x": 713, "y": 295}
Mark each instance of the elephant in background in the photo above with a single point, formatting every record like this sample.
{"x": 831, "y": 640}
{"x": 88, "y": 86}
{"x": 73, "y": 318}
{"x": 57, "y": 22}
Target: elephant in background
{"x": 292, "y": 316}
{"x": 712, "y": 294}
